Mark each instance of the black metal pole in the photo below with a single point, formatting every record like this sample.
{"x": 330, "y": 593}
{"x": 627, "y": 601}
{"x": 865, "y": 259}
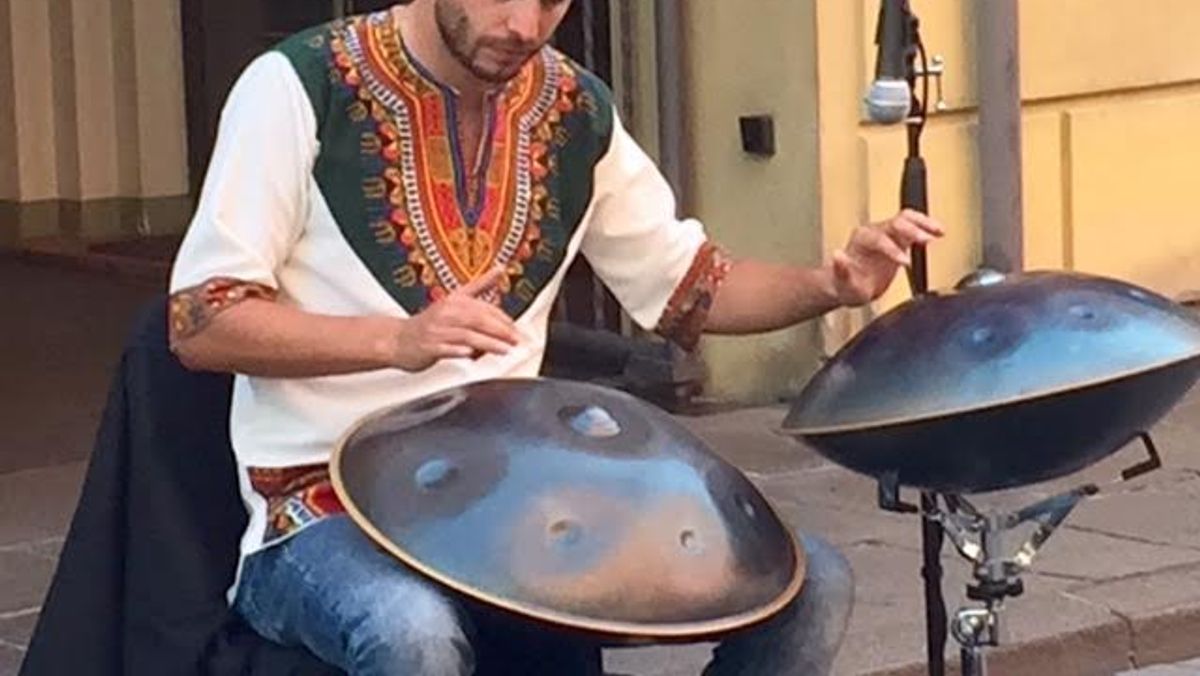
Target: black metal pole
{"x": 914, "y": 194}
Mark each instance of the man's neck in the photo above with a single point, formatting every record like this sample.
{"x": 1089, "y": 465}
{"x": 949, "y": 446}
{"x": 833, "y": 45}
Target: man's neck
{"x": 418, "y": 28}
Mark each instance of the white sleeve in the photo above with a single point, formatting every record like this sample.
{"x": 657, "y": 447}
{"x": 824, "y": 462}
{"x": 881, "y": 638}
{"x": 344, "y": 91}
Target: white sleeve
{"x": 256, "y": 193}
{"x": 634, "y": 240}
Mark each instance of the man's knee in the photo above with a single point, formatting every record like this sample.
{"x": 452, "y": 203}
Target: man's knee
{"x": 829, "y": 580}
{"x": 414, "y": 631}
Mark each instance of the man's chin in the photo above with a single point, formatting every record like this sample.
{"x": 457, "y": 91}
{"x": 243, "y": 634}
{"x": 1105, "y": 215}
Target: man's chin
{"x": 497, "y": 75}
{"x": 499, "y": 71}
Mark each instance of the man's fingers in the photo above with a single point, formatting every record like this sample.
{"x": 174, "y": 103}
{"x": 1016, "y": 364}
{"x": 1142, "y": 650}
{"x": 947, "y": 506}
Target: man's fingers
{"x": 481, "y": 316}
{"x": 470, "y": 342}
{"x": 924, "y": 222}
{"x": 879, "y": 243}
{"x": 481, "y": 285}
{"x": 907, "y": 233}
{"x": 453, "y": 351}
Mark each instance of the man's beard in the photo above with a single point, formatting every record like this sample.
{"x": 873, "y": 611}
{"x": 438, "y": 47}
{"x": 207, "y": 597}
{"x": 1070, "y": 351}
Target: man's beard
{"x": 455, "y": 29}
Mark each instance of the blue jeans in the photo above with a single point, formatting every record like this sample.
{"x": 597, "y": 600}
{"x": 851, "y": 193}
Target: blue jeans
{"x": 329, "y": 588}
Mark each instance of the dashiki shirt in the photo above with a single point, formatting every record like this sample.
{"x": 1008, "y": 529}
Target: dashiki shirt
{"x": 338, "y": 186}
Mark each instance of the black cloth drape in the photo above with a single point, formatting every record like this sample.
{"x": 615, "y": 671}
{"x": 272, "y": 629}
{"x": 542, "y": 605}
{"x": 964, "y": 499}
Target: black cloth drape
{"x": 153, "y": 545}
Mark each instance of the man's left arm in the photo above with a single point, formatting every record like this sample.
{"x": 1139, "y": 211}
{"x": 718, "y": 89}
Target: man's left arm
{"x": 756, "y": 296}
{"x": 671, "y": 278}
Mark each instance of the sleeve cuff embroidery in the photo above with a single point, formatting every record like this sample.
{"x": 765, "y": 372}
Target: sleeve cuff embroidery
{"x": 193, "y": 308}
{"x": 687, "y": 312}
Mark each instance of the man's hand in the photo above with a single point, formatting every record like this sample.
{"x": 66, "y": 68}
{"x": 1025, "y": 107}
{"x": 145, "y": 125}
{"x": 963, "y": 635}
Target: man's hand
{"x": 459, "y": 326}
{"x": 865, "y": 268}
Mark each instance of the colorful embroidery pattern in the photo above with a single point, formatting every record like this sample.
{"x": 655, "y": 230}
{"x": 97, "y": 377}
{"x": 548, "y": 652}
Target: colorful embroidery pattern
{"x": 687, "y": 311}
{"x": 296, "y": 497}
{"x": 192, "y": 309}
{"x": 425, "y": 219}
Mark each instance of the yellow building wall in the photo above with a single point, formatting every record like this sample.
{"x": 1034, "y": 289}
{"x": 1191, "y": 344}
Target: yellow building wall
{"x": 746, "y": 63}
{"x": 1111, "y": 92}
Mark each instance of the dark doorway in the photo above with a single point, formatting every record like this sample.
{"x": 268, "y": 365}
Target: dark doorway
{"x": 220, "y": 37}
{"x": 584, "y": 36}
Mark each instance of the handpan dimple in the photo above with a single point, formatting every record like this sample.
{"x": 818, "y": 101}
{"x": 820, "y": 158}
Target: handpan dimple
{"x": 435, "y": 474}
{"x": 990, "y": 334}
{"x": 565, "y": 532}
{"x": 591, "y": 421}
{"x": 1083, "y": 312}
{"x": 690, "y": 541}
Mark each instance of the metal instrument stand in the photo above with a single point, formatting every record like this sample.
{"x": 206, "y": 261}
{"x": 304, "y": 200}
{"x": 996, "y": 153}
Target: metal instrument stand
{"x": 983, "y": 537}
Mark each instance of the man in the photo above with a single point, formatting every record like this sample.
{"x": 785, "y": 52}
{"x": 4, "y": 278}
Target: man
{"x": 390, "y": 209}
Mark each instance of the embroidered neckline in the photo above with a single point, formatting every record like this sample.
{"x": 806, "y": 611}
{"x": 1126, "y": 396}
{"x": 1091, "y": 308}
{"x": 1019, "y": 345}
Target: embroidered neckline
{"x": 458, "y": 244}
{"x": 420, "y": 239}
{"x": 470, "y": 197}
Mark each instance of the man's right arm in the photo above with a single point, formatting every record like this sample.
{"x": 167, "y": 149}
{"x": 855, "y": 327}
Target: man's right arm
{"x": 255, "y": 335}
{"x": 263, "y": 338}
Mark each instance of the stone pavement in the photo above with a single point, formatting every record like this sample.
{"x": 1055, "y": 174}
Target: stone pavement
{"x": 1115, "y": 590}
{"x": 1189, "y": 668}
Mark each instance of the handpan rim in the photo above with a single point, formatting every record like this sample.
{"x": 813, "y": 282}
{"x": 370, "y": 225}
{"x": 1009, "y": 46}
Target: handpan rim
{"x": 922, "y": 359}
{"x": 625, "y": 631}
{"x": 826, "y": 430}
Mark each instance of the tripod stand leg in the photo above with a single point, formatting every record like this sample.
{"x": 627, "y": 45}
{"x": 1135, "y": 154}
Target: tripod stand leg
{"x": 973, "y": 663}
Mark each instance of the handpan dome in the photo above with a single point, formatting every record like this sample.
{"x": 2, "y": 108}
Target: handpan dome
{"x": 1001, "y": 383}
{"x": 572, "y": 504}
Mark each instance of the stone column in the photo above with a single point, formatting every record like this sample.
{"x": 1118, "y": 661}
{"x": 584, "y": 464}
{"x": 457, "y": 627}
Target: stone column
{"x": 161, "y": 115}
{"x": 10, "y": 187}
{"x": 92, "y": 124}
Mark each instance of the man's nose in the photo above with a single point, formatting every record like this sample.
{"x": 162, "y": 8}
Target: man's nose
{"x": 524, "y": 20}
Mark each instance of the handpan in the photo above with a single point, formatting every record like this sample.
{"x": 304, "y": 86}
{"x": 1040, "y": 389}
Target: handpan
{"x": 1004, "y": 383}
{"x": 571, "y": 504}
